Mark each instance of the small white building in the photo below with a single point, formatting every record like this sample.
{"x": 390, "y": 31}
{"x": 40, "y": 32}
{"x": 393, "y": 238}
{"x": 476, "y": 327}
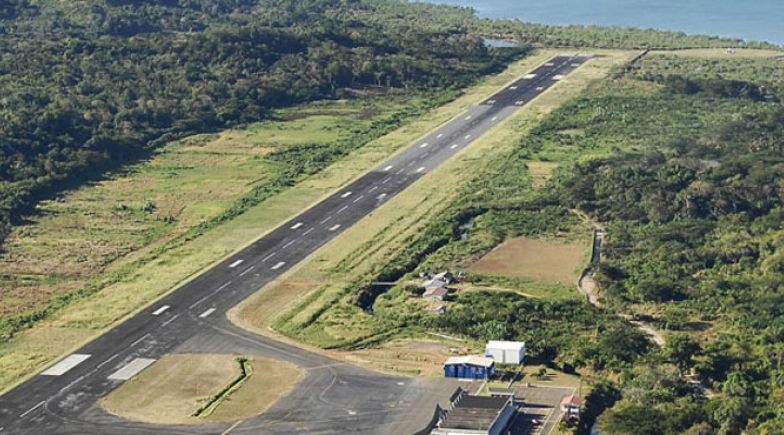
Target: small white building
{"x": 506, "y": 352}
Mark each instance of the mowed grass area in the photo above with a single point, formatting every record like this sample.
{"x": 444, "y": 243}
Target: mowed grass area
{"x": 172, "y": 389}
{"x": 110, "y": 222}
{"x": 549, "y": 261}
{"x": 314, "y": 302}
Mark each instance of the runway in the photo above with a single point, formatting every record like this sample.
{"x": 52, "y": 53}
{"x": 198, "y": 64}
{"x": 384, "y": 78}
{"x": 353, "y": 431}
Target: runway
{"x": 334, "y": 397}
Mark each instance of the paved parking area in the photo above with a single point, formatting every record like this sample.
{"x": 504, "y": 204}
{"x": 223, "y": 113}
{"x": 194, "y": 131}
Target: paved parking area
{"x": 540, "y": 411}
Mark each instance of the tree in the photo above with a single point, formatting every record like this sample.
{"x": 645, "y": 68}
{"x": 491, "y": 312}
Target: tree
{"x": 681, "y": 349}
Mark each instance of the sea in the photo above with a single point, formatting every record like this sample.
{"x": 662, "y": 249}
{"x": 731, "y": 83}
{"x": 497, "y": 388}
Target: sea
{"x": 752, "y": 20}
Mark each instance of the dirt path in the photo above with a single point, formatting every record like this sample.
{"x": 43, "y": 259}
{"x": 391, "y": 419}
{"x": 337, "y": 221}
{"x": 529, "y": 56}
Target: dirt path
{"x": 587, "y": 285}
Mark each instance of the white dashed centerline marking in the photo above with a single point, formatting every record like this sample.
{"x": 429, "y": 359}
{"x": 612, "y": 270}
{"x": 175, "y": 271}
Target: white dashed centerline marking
{"x": 224, "y": 286}
{"x": 273, "y": 254}
{"x": 297, "y": 225}
{"x": 386, "y": 180}
{"x": 235, "y": 264}
{"x": 358, "y": 198}
{"x": 345, "y": 195}
{"x": 325, "y": 220}
{"x": 421, "y": 168}
{"x": 160, "y": 310}
{"x": 140, "y": 339}
{"x": 40, "y": 404}
{"x": 169, "y": 320}
{"x": 278, "y": 266}
{"x": 342, "y": 209}
{"x": 111, "y": 358}
{"x": 66, "y": 364}
{"x": 207, "y": 313}
{"x": 310, "y": 230}
{"x": 246, "y": 271}
{"x": 131, "y": 369}
{"x": 334, "y": 227}
{"x": 289, "y": 244}
{"x": 372, "y": 189}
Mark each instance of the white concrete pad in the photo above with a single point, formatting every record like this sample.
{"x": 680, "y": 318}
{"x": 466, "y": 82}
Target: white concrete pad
{"x": 66, "y": 364}
{"x": 131, "y": 369}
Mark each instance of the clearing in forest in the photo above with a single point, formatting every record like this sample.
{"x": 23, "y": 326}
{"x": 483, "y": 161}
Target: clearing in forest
{"x": 545, "y": 261}
{"x": 174, "y": 388}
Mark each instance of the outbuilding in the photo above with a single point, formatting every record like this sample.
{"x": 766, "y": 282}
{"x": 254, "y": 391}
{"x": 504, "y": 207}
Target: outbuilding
{"x": 506, "y": 352}
{"x": 435, "y": 294}
{"x": 469, "y": 367}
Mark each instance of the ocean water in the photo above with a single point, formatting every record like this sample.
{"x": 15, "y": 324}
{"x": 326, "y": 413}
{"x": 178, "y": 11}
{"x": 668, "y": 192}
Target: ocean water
{"x": 760, "y": 20}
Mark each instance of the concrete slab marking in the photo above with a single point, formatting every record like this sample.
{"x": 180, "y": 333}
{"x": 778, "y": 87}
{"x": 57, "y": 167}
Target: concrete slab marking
{"x": 160, "y": 310}
{"x": 66, "y": 364}
{"x": 131, "y": 369}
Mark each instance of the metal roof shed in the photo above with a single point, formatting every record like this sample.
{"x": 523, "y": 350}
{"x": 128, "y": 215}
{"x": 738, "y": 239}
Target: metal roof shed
{"x": 506, "y": 352}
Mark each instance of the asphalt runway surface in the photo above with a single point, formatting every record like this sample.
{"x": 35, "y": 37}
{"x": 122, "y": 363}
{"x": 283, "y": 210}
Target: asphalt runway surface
{"x": 334, "y": 397}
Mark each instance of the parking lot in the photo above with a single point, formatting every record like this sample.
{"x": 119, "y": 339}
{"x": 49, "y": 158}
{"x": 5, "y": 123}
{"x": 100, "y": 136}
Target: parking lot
{"x": 540, "y": 411}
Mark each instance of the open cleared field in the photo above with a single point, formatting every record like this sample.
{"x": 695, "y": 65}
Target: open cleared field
{"x": 712, "y": 53}
{"x": 172, "y": 389}
{"x": 410, "y": 357}
{"x": 546, "y": 261}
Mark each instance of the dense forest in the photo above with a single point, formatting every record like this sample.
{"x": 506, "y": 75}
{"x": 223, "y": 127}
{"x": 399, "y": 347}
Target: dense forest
{"x": 681, "y": 159}
{"x": 90, "y": 85}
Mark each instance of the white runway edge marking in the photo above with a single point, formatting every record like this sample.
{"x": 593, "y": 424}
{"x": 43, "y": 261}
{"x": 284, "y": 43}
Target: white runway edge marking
{"x": 382, "y": 196}
{"x": 40, "y": 404}
{"x": 131, "y": 369}
{"x": 519, "y": 103}
{"x": 278, "y": 266}
{"x": 468, "y": 117}
{"x": 468, "y": 136}
{"x": 491, "y": 102}
{"x": 558, "y": 77}
{"x": 453, "y": 146}
{"x": 235, "y": 264}
{"x": 514, "y": 88}
{"x": 66, "y": 364}
{"x": 297, "y": 225}
{"x": 549, "y": 64}
{"x": 421, "y": 168}
{"x": 160, "y": 310}
{"x": 334, "y": 227}
{"x": 207, "y": 313}
{"x": 440, "y": 135}
{"x": 388, "y": 168}
{"x": 540, "y": 88}
{"x": 424, "y": 145}
{"x": 529, "y": 76}
{"x": 246, "y": 271}
{"x": 495, "y": 118}
{"x": 575, "y": 65}
{"x": 345, "y": 195}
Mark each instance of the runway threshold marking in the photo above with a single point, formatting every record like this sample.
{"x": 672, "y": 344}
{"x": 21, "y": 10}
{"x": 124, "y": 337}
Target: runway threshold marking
{"x": 160, "y": 310}
{"x": 131, "y": 369}
{"x": 40, "y": 404}
{"x": 66, "y": 364}
{"x": 246, "y": 271}
{"x": 235, "y": 264}
{"x": 278, "y": 266}
{"x": 207, "y": 313}
{"x": 334, "y": 227}
{"x": 297, "y": 225}
{"x": 345, "y": 195}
